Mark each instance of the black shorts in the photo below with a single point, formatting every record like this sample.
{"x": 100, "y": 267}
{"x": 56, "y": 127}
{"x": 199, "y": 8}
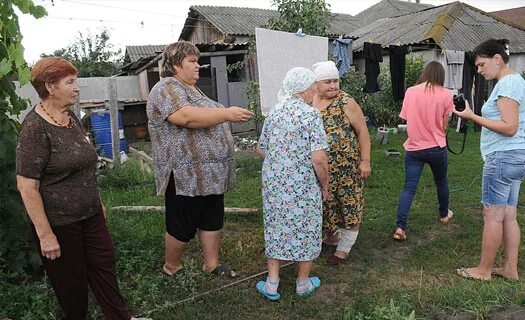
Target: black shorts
{"x": 184, "y": 215}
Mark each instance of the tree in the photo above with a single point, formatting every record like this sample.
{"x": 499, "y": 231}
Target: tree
{"x": 15, "y": 246}
{"x": 92, "y": 54}
{"x": 313, "y": 16}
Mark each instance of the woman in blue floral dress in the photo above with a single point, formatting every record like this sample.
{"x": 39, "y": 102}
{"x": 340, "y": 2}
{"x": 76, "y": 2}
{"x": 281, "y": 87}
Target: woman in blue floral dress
{"x": 295, "y": 180}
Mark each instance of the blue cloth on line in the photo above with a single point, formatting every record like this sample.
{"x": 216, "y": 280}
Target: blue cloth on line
{"x": 342, "y": 50}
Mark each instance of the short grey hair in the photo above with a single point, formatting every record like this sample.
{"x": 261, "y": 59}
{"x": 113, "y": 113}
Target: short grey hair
{"x": 174, "y": 54}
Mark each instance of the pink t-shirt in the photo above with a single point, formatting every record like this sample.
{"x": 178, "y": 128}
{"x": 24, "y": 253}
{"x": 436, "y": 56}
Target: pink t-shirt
{"x": 424, "y": 110}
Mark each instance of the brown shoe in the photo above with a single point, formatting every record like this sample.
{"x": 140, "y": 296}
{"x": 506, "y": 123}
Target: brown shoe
{"x": 334, "y": 260}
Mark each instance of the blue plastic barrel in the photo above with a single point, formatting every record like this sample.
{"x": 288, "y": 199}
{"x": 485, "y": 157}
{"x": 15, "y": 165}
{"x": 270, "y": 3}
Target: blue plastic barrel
{"x": 101, "y": 127}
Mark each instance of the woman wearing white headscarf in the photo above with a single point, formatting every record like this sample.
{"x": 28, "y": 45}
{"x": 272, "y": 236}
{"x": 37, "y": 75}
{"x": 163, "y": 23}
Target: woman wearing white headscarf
{"x": 295, "y": 179}
{"x": 348, "y": 161}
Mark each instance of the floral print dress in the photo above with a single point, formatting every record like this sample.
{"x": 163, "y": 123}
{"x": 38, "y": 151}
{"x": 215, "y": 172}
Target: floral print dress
{"x": 344, "y": 206}
{"x": 292, "y": 201}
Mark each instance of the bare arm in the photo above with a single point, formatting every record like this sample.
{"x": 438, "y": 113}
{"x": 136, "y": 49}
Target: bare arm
{"x": 320, "y": 163}
{"x": 29, "y": 189}
{"x": 357, "y": 119}
{"x": 507, "y": 125}
{"x": 199, "y": 117}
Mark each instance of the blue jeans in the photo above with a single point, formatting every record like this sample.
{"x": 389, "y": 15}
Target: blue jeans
{"x": 437, "y": 159}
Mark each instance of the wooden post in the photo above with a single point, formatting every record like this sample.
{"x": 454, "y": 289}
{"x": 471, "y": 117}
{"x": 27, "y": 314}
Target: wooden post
{"x": 113, "y": 113}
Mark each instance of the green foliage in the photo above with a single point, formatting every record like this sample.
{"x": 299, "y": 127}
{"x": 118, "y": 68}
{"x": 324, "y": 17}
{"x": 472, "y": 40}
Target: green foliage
{"x": 92, "y": 55}
{"x": 391, "y": 312}
{"x": 15, "y": 247}
{"x": 25, "y": 297}
{"x": 312, "y": 15}
{"x": 254, "y": 101}
{"x": 128, "y": 175}
{"x": 380, "y": 107}
{"x": 413, "y": 69}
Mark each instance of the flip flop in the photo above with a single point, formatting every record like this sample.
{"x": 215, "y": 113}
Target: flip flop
{"x": 177, "y": 273}
{"x": 495, "y": 273}
{"x": 223, "y": 270}
{"x": 261, "y": 288}
{"x": 448, "y": 218}
{"x": 315, "y": 282}
{"x": 400, "y": 236}
{"x": 463, "y": 272}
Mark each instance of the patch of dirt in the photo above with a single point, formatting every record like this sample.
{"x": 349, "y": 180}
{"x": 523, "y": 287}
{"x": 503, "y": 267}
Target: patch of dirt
{"x": 329, "y": 293}
{"x": 511, "y": 312}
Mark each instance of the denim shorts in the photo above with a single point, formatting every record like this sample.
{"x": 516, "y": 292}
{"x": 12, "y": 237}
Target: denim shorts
{"x": 502, "y": 175}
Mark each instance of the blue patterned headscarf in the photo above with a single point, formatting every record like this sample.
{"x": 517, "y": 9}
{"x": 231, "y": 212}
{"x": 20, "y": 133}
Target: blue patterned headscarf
{"x": 295, "y": 81}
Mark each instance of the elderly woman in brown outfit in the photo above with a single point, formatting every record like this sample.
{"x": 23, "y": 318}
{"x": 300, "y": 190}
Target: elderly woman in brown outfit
{"x": 193, "y": 156}
{"x": 55, "y": 166}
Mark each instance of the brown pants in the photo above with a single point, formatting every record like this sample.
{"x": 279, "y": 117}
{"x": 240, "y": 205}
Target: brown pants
{"x": 87, "y": 257}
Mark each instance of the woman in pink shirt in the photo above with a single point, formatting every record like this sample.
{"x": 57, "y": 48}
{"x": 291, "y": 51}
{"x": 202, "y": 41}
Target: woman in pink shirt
{"x": 426, "y": 109}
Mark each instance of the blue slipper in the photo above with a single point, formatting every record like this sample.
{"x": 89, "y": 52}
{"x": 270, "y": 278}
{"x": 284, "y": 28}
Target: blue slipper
{"x": 261, "y": 287}
{"x": 315, "y": 282}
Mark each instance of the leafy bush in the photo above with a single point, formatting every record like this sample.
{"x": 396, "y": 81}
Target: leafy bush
{"x": 394, "y": 311}
{"x": 380, "y": 107}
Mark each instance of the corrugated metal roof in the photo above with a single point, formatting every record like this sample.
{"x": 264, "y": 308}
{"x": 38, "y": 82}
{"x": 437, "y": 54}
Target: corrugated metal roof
{"x": 389, "y": 9}
{"x": 234, "y": 20}
{"x": 515, "y": 15}
{"x": 455, "y": 26}
{"x": 243, "y": 21}
{"x": 342, "y": 24}
{"x": 136, "y": 52}
{"x": 473, "y": 27}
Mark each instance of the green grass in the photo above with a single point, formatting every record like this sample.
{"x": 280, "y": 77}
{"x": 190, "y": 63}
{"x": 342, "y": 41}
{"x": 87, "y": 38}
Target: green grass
{"x": 382, "y": 279}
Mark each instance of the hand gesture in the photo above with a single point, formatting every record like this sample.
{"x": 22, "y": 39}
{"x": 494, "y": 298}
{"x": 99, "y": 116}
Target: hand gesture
{"x": 238, "y": 114}
{"x": 466, "y": 114}
{"x": 49, "y": 246}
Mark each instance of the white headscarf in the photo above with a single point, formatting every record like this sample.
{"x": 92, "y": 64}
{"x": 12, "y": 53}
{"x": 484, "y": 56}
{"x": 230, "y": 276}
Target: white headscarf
{"x": 295, "y": 81}
{"x": 325, "y": 70}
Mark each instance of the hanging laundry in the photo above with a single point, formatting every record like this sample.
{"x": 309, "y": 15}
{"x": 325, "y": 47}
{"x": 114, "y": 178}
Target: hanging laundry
{"x": 397, "y": 71}
{"x": 454, "y": 69}
{"x": 474, "y": 86}
{"x": 469, "y": 72}
{"x": 373, "y": 54}
{"x": 342, "y": 50}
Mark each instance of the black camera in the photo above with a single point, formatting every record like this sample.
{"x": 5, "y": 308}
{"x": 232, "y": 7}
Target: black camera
{"x": 459, "y": 102}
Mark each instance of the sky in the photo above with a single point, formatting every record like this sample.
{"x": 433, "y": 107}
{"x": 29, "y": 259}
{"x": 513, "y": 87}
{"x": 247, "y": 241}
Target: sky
{"x": 142, "y": 22}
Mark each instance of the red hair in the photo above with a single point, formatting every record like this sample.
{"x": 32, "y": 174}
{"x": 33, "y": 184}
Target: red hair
{"x": 50, "y": 70}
